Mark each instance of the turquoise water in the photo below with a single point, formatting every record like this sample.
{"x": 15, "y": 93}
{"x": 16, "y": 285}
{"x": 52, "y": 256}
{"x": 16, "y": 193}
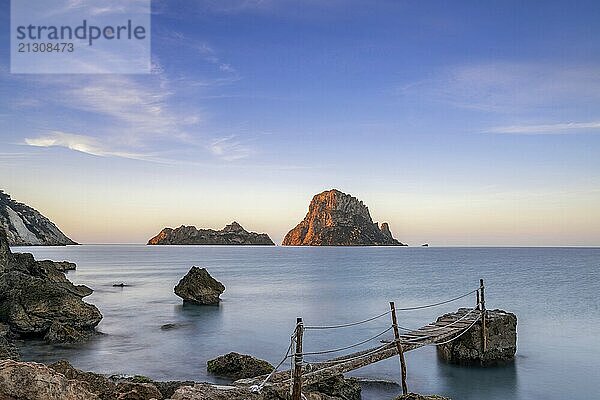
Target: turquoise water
{"x": 553, "y": 291}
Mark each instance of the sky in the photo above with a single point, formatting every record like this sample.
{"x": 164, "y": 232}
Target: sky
{"x": 459, "y": 123}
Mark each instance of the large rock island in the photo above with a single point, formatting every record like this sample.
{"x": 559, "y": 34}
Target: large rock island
{"x": 232, "y": 234}
{"x": 25, "y": 226}
{"x": 338, "y": 219}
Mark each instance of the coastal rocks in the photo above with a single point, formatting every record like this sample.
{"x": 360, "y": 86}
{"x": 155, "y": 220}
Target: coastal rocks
{"x": 98, "y": 384}
{"x": 32, "y": 381}
{"x": 338, "y": 387}
{"x": 37, "y": 300}
{"x": 8, "y": 351}
{"x": 501, "y": 342}
{"x": 232, "y": 234}
{"x": 137, "y": 391}
{"x": 238, "y": 366}
{"x": 198, "y": 287}
{"x": 415, "y": 396}
{"x": 204, "y": 391}
{"x": 338, "y": 219}
{"x": 25, "y": 226}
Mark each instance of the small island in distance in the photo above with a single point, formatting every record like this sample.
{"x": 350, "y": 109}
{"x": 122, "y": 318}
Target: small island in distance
{"x": 232, "y": 234}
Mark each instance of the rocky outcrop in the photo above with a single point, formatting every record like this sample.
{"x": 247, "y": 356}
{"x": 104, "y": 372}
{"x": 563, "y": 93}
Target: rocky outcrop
{"x": 501, "y": 329}
{"x": 32, "y": 381}
{"x": 343, "y": 390}
{"x": 98, "y": 384}
{"x": 232, "y": 234}
{"x": 338, "y": 219}
{"x": 38, "y": 301}
{"x": 25, "y": 226}
{"x": 198, "y": 287}
{"x": 415, "y": 396}
{"x": 238, "y": 366}
{"x": 337, "y": 387}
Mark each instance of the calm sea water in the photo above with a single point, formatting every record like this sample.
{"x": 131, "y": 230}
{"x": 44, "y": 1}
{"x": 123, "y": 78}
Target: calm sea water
{"x": 553, "y": 291}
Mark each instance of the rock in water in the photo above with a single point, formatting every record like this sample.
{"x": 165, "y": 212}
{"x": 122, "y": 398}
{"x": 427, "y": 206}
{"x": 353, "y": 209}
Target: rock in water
{"x": 414, "y": 396}
{"x": 238, "y": 366}
{"x": 232, "y": 234}
{"x": 338, "y": 219}
{"x": 501, "y": 329}
{"x": 32, "y": 381}
{"x": 37, "y": 300}
{"x": 198, "y": 287}
{"x": 25, "y": 226}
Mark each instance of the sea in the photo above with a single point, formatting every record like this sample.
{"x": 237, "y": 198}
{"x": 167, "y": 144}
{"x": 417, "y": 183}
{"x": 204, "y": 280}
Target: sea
{"x": 553, "y": 291}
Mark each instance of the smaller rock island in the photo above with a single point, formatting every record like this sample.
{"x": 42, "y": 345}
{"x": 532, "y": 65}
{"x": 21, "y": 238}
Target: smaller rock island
{"x": 232, "y": 234}
{"x": 198, "y": 287}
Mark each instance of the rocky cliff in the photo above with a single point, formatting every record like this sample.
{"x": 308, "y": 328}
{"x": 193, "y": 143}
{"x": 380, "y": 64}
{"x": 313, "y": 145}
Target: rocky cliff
{"x": 38, "y": 301}
{"x": 25, "y": 226}
{"x": 232, "y": 234}
{"x": 338, "y": 219}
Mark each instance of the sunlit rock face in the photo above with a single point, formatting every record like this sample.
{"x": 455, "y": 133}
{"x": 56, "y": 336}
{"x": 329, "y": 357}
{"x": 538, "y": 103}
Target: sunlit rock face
{"x": 232, "y": 234}
{"x": 25, "y": 226}
{"x": 338, "y": 219}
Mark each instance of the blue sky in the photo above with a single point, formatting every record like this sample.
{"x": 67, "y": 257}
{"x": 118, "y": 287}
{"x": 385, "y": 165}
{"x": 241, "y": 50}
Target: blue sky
{"x": 465, "y": 122}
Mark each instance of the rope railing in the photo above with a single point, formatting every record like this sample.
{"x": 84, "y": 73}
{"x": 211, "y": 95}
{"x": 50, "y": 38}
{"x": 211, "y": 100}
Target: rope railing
{"x": 350, "y": 346}
{"x": 259, "y": 387}
{"x": 364, "y": 321}
{"x": 456, "y": 337}
{"x": 437, "y": 328}
{"x": 438, "y": 304}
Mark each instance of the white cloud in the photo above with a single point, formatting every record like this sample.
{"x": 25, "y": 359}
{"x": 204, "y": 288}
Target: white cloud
{"x": 510, "y": 87}
{"x": 229, "y": 149}
{"x": 81, "y": 143}
{"x": 545, "y": 129}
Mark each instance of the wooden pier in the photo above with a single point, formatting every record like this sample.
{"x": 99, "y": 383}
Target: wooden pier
{"x": 445, "y": 329}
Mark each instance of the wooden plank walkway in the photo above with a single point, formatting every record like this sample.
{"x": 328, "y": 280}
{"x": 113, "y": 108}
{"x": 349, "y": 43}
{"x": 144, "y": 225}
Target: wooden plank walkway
{"x": 445, "y": 328}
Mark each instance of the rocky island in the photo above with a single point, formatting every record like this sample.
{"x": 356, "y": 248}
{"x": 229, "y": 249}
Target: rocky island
{"x": 232, "y": 234}
{"x": 339, "y": 219}
{"x": 25, "y": 226}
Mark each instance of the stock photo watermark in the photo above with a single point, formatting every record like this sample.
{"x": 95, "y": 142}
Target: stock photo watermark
{"x": 80, "y": 36}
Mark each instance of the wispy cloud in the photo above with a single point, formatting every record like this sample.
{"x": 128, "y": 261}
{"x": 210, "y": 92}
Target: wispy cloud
{"x": 506, "y": 87}
{"x": 547, "y": 129}
{"x": 83, "y": 144}
{"x": 230, "y": 148}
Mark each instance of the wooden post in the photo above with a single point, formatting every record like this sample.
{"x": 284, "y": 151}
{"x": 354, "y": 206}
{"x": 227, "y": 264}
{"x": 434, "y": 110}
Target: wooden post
{"x": 399, "y": 348}
{"x": 478, "y": 306}
{"x": 297, "y": 371}
{"x": 483, "y": 316}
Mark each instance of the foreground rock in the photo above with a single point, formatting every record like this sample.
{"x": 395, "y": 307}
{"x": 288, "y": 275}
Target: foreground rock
{"x": 34, "y": 381}
{"x": 338, "y": 219}
{"x": 38, "y": 301}
{"x": 501, "y": 342}
{"x": 238, "y": 366}
{"x": 210, "y": 392}
{"x": 232, "y": 234}
{"x": 414, "y": 396}
{"x": 198, "y": 287}
{"x": 25, "y": 226}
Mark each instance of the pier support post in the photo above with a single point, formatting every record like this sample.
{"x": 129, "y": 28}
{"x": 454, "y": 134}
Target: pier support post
{"x": 483, "y": 316}
{"x": 399, "y": 348}
{"x": 297, "y": 371}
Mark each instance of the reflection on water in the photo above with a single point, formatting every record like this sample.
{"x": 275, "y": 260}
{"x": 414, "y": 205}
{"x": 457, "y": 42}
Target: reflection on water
{"x": 553, "y": 291}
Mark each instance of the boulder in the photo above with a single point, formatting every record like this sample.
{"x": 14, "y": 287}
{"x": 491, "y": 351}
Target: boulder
{"x": 32, "y": 381}
{"x": 415, "y": 396}
{"x": 37, "y": 300}
{"x": 198, "y": 287}
{"x": 8, "y": 351}
{"x": 238, "y": 366}
{"x": 501, "y": 342}
{"x": 337, "y": 387}
{"x": 137, "y": 391}
{"x": 98, "y": 384}
{"x": 205, "y": 391}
